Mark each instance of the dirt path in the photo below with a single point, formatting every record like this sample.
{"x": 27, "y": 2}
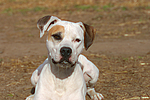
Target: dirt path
{"x": 121, "y": 50}
{"x": 118, "y": 47}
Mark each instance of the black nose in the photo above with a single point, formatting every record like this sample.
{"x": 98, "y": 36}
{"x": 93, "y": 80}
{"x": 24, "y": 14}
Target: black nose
{"x": 65, "y": 52}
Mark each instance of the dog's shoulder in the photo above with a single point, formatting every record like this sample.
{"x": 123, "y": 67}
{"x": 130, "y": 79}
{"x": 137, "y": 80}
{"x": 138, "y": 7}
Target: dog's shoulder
{"x": 82, "y": 58}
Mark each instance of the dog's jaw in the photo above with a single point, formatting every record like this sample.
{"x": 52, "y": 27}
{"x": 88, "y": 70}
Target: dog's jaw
{"x": 63, "y": 63}
{"x": 61, "y": 70}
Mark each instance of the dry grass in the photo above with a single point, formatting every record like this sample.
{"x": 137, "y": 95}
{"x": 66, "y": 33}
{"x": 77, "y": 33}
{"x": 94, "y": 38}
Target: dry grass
{"x": 24, "y": 4}
{"x": 121, "y": 77}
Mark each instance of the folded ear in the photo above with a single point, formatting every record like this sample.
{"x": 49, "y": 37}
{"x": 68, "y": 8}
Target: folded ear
{"x": 45, "y": 23}
{"x": 89, "y": 35}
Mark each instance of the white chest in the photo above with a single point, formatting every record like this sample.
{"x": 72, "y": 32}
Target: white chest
{"x": 49, "y": 87}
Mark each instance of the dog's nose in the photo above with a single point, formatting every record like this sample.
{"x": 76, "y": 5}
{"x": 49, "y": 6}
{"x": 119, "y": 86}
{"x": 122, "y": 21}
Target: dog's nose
{"x": 65, "y": 52}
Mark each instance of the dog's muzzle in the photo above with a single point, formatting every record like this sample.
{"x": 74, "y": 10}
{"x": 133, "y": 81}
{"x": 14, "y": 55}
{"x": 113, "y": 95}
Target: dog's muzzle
{"x": 66, "y": 54}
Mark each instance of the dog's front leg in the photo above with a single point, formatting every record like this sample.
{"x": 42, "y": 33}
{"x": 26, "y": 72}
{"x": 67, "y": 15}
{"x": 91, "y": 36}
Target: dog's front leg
{"x": 30, "y": 97}
{"x": 94, "y": 95}
{"x": 35, "y": 76}
{"x": 90, "y": 88}
{"x": 91, "y": 73}
{"x": 37, "y": 72}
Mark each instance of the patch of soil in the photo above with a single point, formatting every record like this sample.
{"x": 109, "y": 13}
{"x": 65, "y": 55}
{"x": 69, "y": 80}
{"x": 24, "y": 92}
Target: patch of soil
{"x": 121, "y": 51}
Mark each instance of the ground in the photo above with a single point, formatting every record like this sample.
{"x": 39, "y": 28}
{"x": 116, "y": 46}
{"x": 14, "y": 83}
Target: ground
{"x": 121, "y": 49}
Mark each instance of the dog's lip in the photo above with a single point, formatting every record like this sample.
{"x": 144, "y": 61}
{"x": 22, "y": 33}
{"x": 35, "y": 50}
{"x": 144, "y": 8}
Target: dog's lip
{"x": 64, "y": 62}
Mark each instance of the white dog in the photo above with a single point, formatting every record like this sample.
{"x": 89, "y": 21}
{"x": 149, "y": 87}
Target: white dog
{"x": 65, "y": 74}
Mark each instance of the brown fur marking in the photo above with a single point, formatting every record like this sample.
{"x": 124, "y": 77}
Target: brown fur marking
{"x": 55, "y": 29}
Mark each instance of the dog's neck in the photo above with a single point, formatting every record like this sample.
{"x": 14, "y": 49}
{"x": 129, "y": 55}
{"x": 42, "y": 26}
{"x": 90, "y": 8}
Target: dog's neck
{"x": 60, "y": 71}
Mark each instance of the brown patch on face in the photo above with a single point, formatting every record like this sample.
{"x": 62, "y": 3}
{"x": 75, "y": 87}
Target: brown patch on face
{"x": 55, "y": 29}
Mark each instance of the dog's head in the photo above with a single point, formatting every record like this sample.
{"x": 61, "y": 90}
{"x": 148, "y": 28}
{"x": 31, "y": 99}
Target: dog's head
{"x": 65, "y": 40}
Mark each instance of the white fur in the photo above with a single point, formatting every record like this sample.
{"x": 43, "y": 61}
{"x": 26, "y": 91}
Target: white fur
{"x": 51, "y": 88}
{"x": 48, "y": 87}
{"x": 88, "y": 68}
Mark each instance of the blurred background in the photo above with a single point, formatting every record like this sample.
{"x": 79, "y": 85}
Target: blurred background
{"x": 121, "y": 49}
{"x": 13, "y": 6}
{"x": 30, "y": 4}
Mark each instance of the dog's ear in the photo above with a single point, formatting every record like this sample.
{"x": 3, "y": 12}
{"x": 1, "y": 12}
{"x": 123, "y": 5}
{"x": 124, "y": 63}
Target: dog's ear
{"x": 89, "y": 35}
{"x": 45, "y": 23}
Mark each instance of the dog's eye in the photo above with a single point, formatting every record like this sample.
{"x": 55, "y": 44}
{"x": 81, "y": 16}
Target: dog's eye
{"x": 77, "y": 40}
{"x": 57, "y": 36}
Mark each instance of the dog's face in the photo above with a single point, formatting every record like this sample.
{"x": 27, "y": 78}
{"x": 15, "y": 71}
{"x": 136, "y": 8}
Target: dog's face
{"x": 65, "y": 40}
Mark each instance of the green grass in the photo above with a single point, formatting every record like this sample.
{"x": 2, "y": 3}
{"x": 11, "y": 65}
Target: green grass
{"x": 10, "y": 11}
{"x": 124, "y": 8}
{"x": 86, "y": 7}
{"x": 44, "y": 56}
{"x": 140, "y": 57}
{"x": 125, "y": 59}
{"x": 82, "y": 7}
{"x": 1, "y": 60}
{"x": 95, "y": 7}
{"x": 98, "y": 58}
{"x": 37, "y": 9}
{"x": 148, "y": 7}
{"x": 11, "y": 95}
{"x": 107, "y": 7}
{"x": 23, "y": 11}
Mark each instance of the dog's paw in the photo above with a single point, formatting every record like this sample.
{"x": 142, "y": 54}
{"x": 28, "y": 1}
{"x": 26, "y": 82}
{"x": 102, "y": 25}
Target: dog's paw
{"x": 97, "y": 96}
{"x": 30, "y": 97}
{"x": 94, "y": 95}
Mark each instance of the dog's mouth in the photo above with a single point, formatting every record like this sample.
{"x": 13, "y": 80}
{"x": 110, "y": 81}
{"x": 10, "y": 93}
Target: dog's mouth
{"x": 63, "y": 68}
{"x": 64, "y": 63}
